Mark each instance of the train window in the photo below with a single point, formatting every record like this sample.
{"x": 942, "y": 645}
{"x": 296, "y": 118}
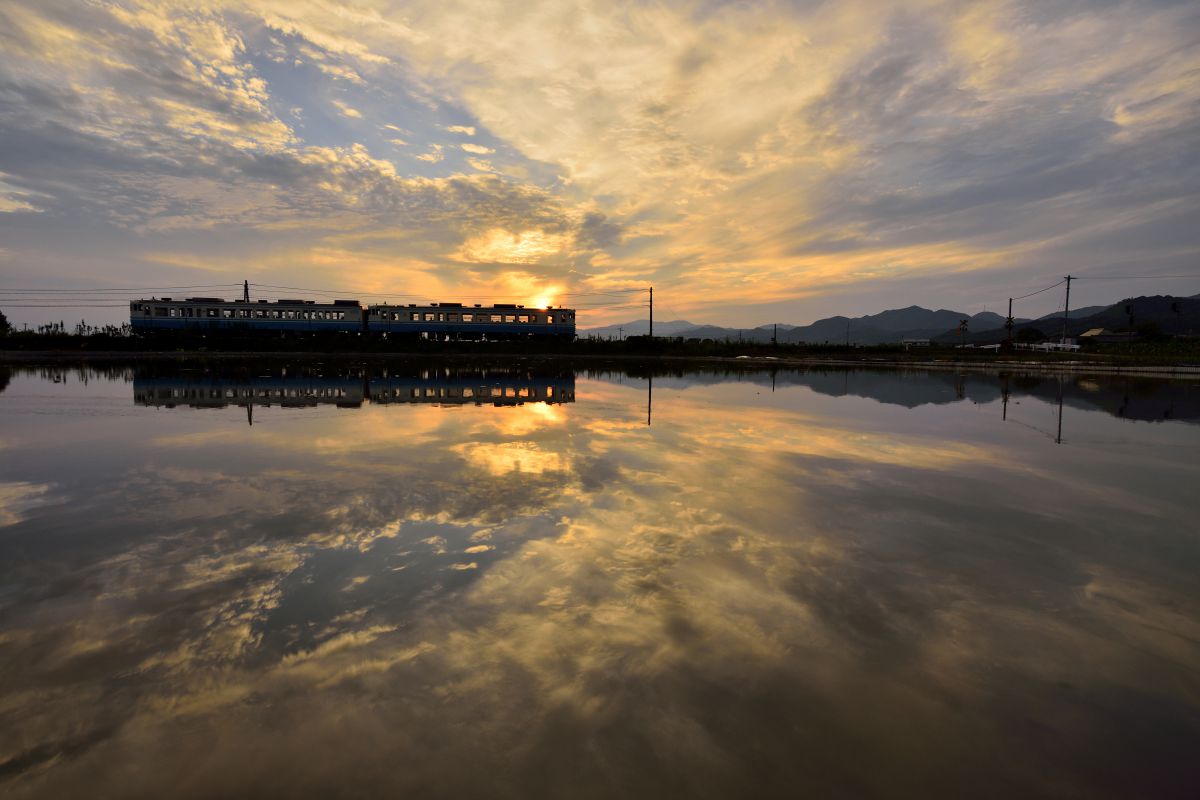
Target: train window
{"x": 468, "y": 392}
{"x": 468, "y": 317}
{"x": 549, "y": 319}
{"x": 549, "y": 391}
{"x": 441, "y": 317}
{"x": 509, "y": 318}
{"x": 497, "y": 318}
{"x": 452, "y": 317}
{"x": 226, "y": 313}
{"x": 414, "y": 316}
{"x": 160, "y": 311}
{"x": 430, "y": 317}
{"x": 341, "y": 314}
{"x": 523, "y": 391}
{"x": 522, "y": 318}
{"x": 174, "y": 312}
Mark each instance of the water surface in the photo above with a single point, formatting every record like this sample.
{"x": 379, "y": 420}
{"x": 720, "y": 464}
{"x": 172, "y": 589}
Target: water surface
{"x": 434, "y": 580}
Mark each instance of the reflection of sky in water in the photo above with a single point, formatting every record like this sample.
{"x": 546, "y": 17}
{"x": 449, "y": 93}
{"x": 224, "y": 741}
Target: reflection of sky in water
{"x": 802, "y": 591}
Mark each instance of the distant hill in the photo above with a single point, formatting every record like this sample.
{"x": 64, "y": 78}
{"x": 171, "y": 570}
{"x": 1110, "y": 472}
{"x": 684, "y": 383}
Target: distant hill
{"x": 640, "y": 327}
{"x": 1171, "y": 314}
{"x": 893, "y": 325}
{"x": 1085, "y": 311}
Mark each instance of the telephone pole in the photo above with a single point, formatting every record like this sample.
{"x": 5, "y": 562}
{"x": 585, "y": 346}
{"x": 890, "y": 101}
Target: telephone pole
{"x": 620, "y": 333}
{"x": 1066, "y": 310}
{"x": 1008, "y": 323}
{"x": 246, "y": 291}
{"x": 651, "y": 312}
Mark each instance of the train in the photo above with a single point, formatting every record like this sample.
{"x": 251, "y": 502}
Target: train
{"x": 440, "y": 321}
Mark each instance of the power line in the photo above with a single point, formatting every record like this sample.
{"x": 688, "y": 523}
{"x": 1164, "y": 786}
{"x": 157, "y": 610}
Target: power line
{"x": 1132, "y": 277}
{"x": 334, "y": 292}
{"x": 1039, "y": 291}
{"x": 92, "y": 290}
{"x": 67, "y": 305}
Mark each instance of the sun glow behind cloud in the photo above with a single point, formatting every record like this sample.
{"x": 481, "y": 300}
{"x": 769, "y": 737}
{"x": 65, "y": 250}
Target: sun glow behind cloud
{"x": 731, "y": 155}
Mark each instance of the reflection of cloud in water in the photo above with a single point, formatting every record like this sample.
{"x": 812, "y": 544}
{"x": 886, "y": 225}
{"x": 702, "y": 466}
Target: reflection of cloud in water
{"x": 573, "y": 603}
{"x": 19, "y": 497}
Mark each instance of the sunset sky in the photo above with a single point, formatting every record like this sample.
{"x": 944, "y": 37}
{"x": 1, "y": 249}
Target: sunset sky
{"x": 754, "y": 162}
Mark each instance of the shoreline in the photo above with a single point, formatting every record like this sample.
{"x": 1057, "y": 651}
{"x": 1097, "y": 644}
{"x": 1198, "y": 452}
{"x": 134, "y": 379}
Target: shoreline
{"x": 34, "y": 357}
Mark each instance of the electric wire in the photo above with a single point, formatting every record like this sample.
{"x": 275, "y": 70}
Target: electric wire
{"x": 1039, "y": 291}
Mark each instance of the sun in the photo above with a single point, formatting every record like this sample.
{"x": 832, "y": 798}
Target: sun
{"x": 543, "y": 301}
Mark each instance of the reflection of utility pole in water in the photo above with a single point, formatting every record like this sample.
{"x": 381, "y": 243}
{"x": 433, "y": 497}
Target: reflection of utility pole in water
{"x": 649, "y": 398}
{"x": 1058, "y": 439}
{"x": 1004, "y": 394}
{"x": 250, "y": 414}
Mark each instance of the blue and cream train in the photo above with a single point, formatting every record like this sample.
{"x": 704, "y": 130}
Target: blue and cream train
{"x": 433, "y": 321}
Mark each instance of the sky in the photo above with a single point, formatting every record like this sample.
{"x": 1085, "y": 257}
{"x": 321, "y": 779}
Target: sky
{"x": 754, "y": 162}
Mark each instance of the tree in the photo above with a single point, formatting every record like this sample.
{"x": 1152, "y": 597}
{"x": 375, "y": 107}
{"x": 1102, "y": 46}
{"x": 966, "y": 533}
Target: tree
{"x": 1029, "y": 335}
{"x": 4, "y": 326}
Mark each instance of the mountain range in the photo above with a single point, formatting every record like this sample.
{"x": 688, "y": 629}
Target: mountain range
{"x": 1171, "y": 314}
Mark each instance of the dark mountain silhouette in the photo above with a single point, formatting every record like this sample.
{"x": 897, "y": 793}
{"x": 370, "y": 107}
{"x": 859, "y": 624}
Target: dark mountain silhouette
{"x": 893, "y": 325}
{"x": 1172, "y": 315}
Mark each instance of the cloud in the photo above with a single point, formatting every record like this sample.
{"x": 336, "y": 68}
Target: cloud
{"x": 433, "y": 156}
{"x": 771, "y": 154}
{"x": 345, "y": 110}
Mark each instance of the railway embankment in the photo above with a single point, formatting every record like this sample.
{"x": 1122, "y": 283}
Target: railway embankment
{"x": 1044, "y": 363}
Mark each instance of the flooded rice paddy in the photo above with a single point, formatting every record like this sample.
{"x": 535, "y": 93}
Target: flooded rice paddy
{"x": 533, "y": 581}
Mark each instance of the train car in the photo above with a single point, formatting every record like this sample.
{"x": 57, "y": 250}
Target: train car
{"x": 215, "y": 314}
{"x": 457, "y": 321}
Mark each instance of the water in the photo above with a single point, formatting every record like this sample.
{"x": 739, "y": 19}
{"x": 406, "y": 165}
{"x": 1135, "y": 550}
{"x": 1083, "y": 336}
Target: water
{"x": 432, "y": 580}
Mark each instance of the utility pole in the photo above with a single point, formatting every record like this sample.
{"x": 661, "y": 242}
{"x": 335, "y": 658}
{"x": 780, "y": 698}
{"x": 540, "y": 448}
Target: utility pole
{"x": 620, "y": 333}
{"x": 847, "y": 333}
{"x": 1066, "y": 310}
{"x": 246, "y": 291}
{"x": 774, "y": 343}
{"x": 651, "y": 312}
{"x": 1008, "y": 323}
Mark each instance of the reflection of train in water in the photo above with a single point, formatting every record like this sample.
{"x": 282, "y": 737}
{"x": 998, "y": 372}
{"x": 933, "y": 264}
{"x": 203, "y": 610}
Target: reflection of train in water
{"x": 441, "y": 386}
{"x": 432, "y": 321}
